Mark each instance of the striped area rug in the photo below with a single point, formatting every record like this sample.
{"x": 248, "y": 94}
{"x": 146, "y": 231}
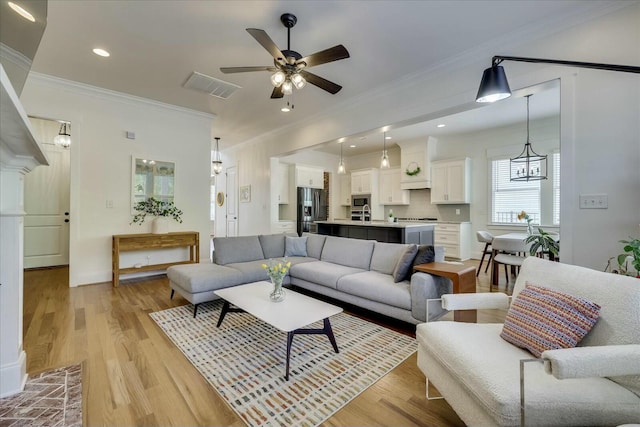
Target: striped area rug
{"x": 244, "y": 360}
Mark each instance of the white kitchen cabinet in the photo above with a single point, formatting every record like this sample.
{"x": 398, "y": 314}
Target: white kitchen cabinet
{"x": 283, "y": 183}
{"x": 362, "y": 181}
{"x": 345, "y": 190}
{"x": 283, "y": 227}
{"x": 307, "y": 176}
{"x": 455, "y": 238}
{"x": 451, "y": 181}
{"x": 390, "y": 191}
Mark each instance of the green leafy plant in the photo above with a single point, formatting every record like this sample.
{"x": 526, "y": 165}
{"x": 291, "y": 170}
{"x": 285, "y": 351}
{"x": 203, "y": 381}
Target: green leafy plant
{"x": 155, "y": 207}
{"x": 413, "y": 172}
{"x": 631, "y": 248}
{"x": 544, "y": 242}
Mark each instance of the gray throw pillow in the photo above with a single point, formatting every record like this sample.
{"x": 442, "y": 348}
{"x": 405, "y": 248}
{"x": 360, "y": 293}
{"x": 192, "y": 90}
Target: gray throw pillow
{"x": 404, "y": 264}
{"x": 426, "y": 254}
{"x": 295, "y": 246}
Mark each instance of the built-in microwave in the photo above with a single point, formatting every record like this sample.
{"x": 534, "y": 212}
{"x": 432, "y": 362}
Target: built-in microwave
{"x": 360, "y": 201}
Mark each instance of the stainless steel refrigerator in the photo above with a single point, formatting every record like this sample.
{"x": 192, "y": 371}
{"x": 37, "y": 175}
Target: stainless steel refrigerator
{"x": 312, "y": 206}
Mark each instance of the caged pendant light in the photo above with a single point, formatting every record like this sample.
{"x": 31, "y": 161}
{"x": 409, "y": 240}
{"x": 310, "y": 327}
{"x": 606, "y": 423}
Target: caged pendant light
{"x": 384, "y": 161}
{"x": 528, "y": 165}
{"x": 217, "y": 159}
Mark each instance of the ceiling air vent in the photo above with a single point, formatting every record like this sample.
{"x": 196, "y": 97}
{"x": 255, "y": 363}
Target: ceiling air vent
{"x": 214, "y": 87}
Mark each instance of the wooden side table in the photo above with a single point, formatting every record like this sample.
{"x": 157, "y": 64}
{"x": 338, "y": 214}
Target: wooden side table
{"x": 146, "y": 241}
{"x": 464, "y": 281}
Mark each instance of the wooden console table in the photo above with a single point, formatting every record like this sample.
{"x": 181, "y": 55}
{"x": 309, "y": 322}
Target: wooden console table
{"x": 464, "y": 281}
{"x": 141, "y": 242}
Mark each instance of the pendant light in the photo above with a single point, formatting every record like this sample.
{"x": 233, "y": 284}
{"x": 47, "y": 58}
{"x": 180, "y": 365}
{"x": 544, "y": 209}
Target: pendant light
{"x": 528, "y": 165}
{"x": 384, "y": 161}
{"x": 63, "y": 139}
{"x": 341, "y": 168}
{"x": 217, "y": 160}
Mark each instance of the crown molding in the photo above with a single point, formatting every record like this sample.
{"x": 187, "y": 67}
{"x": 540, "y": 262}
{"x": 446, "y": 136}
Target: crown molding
{"x": 109, "y": 95}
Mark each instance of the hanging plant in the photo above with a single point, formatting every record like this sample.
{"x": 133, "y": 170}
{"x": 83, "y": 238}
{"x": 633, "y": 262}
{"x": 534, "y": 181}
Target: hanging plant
{"x": 412, "y": 169}
{"x": 157, "y": 208}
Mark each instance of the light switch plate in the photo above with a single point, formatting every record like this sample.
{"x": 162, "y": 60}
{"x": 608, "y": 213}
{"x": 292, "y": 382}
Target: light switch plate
{"x": 593, "y": 201}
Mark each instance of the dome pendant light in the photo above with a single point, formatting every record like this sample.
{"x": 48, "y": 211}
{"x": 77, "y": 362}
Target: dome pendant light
{"x": 341, "y": 168}
{"x": 63, "y": 139}
{"x": 384, "y": 161}
{"x": 217, "y": 160}
{"x": 528, "y": 165}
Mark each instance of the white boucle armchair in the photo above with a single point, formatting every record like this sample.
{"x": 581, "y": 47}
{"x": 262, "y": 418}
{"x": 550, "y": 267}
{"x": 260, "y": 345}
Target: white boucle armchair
{"x": 490, "y": 382}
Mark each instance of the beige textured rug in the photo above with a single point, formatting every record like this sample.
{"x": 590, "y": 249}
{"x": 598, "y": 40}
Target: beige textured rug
{"x": 52, "y": 398}
{"x": 244, "y": 360}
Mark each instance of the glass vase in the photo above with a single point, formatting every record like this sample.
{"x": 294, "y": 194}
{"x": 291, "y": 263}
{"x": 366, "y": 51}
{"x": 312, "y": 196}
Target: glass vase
{"x": 278, "y": 293}
{"x": 529, "y": 229}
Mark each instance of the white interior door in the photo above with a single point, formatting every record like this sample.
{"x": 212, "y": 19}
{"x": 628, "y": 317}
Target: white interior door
{"x": 232, "y": 202}
{"x": 46, "y": 203}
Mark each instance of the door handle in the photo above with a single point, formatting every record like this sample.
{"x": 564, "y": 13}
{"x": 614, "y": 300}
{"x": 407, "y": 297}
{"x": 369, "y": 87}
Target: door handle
{"x": 66, "y": 220}
{"x": 66, "y": 213}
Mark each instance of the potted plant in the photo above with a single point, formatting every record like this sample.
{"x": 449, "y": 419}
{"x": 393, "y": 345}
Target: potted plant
{"x": 543, "y": 242}
{"x": 390, "y": 217}
{"x": 631, "y": 255}
{"x": 158, "y": 209}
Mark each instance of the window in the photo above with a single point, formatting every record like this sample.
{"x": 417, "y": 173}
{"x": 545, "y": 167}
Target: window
{"x": 539, "y": 199}
{"x": 509, "y": 198}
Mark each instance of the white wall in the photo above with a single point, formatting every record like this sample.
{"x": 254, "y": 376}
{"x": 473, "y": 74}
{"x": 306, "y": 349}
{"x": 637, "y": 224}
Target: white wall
{"x": 600, "y": 116}
{"x": 101, "y": 166}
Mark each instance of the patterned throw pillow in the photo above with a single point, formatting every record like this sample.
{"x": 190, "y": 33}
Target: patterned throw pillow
{"x": 542, "y": 319}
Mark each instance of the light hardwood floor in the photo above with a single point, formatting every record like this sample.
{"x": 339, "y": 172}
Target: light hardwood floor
{"x": 134, "y": 375}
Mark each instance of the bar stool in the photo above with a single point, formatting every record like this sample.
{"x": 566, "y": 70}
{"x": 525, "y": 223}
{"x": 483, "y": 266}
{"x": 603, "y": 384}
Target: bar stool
{"x": 486, "y": 238}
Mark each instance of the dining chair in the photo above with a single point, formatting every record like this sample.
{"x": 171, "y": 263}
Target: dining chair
{"x": 486, "y": 238}
{"x": 506, "y": 252}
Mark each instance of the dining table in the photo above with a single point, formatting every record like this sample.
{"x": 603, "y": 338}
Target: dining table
{"x": 513, "y": 243}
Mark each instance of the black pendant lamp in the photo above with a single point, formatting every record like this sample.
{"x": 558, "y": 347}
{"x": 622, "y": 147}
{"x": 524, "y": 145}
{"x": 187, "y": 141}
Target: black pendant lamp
{"x": 528, "y": 165}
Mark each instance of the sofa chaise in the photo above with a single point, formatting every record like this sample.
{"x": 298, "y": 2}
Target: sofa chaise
{"x": 596, "y": 383}
{"x": 369, "y": 274}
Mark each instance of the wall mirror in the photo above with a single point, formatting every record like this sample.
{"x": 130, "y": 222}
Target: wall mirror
{"x": 151, "y": 178}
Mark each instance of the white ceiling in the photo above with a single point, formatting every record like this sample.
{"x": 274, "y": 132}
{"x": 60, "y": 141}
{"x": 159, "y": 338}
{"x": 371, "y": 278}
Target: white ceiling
{"x": 155, "y": 45}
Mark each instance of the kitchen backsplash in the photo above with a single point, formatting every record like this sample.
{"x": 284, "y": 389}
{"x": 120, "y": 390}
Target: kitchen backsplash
{"x": 421, "y": 207}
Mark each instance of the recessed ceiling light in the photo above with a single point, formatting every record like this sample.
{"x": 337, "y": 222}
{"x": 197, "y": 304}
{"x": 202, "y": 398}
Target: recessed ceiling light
{"x": 101, "y": 52}
{"x": 388, "y": 137}
{"x": 441, "y": 125}
{"x": 341, "y": 140}
{"x": 285, "y": 109}
{"x": 352, "y": 146}
{"x": 21, "y": 11}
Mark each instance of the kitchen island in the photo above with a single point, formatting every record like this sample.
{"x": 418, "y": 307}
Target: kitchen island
{"x": 419, "y": 233}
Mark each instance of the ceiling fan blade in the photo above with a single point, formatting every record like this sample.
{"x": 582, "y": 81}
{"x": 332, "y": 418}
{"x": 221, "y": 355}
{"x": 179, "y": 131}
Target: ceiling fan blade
{"x": 325, "y": 84}
{"x": 265, "y": 41}
{"x": 231, "y": 70}
{"x": 277, "y": 93}
{"x": 328, "y": 55}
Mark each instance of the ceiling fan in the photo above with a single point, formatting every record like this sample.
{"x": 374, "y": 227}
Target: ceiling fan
{"x": 289, "y": 67}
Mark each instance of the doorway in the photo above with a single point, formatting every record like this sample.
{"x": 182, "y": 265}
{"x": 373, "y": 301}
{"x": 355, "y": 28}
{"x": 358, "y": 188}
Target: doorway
{"x": 47, "y": 202}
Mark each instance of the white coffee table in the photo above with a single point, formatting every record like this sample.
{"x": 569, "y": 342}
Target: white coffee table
{"x": 290, "y": 315}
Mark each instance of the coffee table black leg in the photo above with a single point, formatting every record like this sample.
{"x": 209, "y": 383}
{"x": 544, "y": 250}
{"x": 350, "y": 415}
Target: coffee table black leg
{"x": 225, "y": 310}
{"x": 289, "y": 342}
{"x": 329, "y": 332}
{"x": 324, "y": 331}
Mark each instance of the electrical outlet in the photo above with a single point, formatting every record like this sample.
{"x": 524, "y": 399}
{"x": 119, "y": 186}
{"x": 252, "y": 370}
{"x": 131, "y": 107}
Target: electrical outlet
{"x": 594, "y": 201}
{"x": 457, "y": 211}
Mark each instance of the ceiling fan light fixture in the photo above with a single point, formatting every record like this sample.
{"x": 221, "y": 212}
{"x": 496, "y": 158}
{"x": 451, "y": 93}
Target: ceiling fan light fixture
{"x": 287, "y": 87}
{"x": 63, "y": 138}
{"x": 277, "y": 78}
{"x": 298, "y": 81}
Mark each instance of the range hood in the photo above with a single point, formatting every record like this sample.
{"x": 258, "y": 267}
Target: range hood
{"x": 416, "y": 163}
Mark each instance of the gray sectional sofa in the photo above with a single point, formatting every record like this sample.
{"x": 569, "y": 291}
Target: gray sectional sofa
{"x": 369, "y": 274}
